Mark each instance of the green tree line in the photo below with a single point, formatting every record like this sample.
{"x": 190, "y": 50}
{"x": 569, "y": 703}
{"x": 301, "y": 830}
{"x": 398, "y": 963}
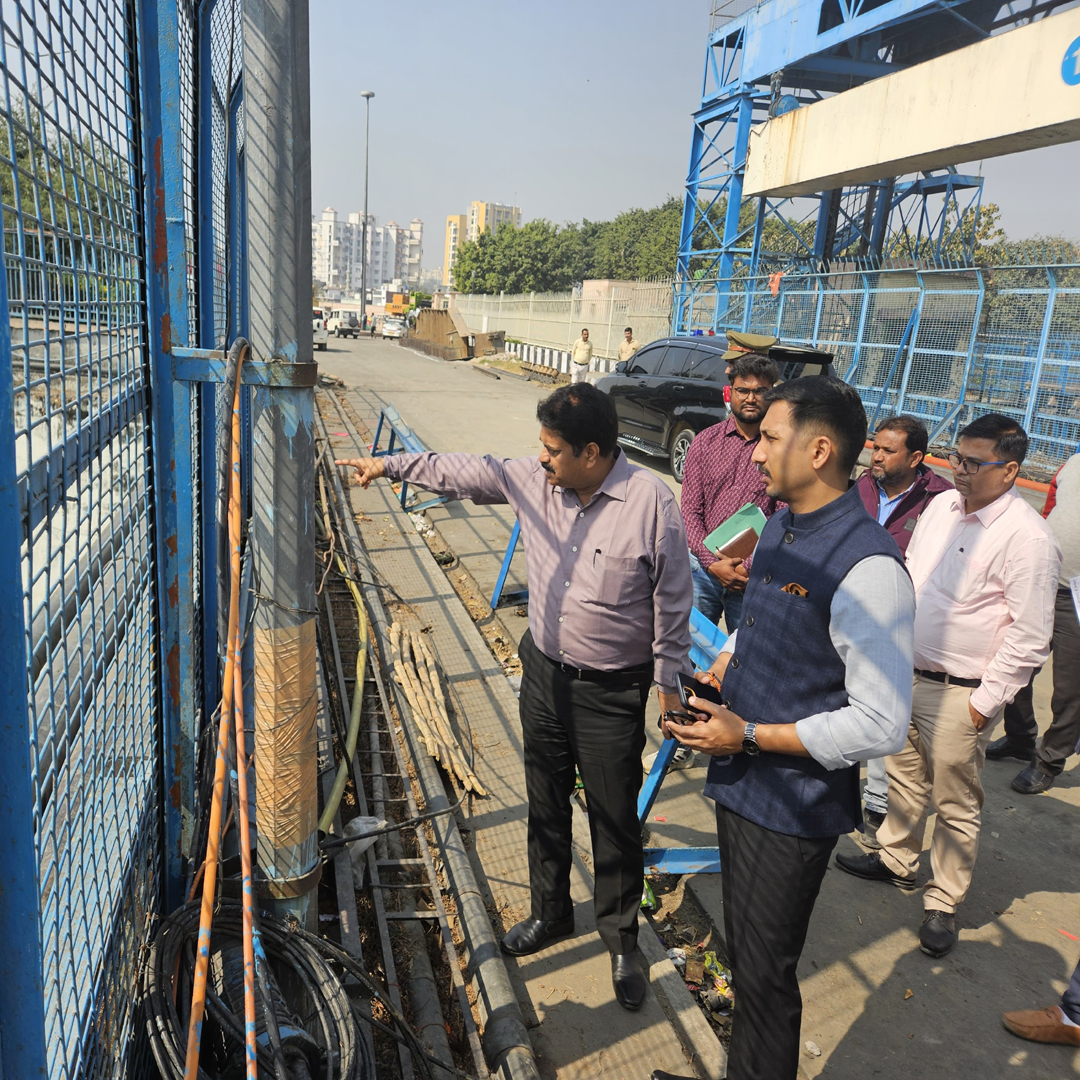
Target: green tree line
{"x": 544, "y": 257}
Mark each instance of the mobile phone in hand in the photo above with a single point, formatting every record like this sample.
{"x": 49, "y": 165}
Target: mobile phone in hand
{"x": 690, "y": 687}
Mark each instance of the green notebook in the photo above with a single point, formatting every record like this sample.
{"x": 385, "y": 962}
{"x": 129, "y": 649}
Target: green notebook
{"x": 737, "y": 537}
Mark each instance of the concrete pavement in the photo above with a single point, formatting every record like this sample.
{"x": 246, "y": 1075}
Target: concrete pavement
{"x": 1020, "y": 927}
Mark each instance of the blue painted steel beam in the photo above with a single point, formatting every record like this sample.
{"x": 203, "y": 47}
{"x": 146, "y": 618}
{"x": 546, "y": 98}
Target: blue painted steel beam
{"x": 682, "y": 860}
{"x": 167, "y": 317}
{"x": 779, "y": 34}
{"x": 212, "y": 584}
{"x": 22, "y": 1010}
{"x": 520, "y": 597}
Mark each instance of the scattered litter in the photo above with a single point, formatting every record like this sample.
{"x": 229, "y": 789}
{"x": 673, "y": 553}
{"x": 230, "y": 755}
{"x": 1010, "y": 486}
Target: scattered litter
{"x": 356, "y": 827}
{"x": 659, "y": 818}
{"x": 719, "y": 975}
{"x": 909, "y": 993}
{"x": 1071, "y": 937}
{"x": 420, "y": 523}
{"x": 665, "y": 928}
{"x": 695, "y": 969}
{"x": 329, "y": 918}
{"x": 677, "y": 957}
{"x": 341, "y": 435}
{"x": 859, "y": 917}
{"x": 995, "y": 835}
{"x": 813, "y": 1049}
{"x": 648, "y": 898}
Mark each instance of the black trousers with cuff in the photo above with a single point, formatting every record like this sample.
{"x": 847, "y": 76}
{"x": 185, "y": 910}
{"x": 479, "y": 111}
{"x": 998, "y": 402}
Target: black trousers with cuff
{"x": 770, "y": 883}
{"x": 1060, "y": 739}
{"x": 599, "y": 727}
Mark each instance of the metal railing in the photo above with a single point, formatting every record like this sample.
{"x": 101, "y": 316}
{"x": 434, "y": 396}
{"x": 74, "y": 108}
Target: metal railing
{"x": 944, "y": 345}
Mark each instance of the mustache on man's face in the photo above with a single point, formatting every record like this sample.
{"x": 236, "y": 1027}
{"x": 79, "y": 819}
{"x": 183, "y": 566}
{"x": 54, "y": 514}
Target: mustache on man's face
{"x": 547, "y": 468}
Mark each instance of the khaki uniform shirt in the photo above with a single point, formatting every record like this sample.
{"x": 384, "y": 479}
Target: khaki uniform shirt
{"x": 628, "y": 348}
{"x": 581, "y": 353}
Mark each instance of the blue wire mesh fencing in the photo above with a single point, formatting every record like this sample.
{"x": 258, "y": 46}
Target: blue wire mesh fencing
{"x": 943, "y": 345}
{"x": 87, "y": 766}
{"x": 78, "y": 440}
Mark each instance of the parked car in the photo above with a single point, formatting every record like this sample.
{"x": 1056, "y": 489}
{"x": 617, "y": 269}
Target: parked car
{"x": 320, "y": 335}
{"x": 393, "y": 328}
{"x": 344, "y": 324}
{"x": 671, "y": 389}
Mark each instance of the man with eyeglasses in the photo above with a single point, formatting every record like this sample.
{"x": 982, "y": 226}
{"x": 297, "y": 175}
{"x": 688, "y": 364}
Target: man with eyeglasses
{"x": 985, "y": 569}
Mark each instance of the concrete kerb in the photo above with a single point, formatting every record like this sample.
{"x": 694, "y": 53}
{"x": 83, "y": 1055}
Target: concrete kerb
{"x": 505, "y": 1038}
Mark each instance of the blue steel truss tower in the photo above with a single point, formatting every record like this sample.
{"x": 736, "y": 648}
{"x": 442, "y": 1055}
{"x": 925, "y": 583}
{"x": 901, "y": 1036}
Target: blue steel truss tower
{"x": 766, "y": 59}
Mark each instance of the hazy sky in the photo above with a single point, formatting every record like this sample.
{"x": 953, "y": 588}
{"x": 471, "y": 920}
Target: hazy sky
{"x": 571, "y": 110}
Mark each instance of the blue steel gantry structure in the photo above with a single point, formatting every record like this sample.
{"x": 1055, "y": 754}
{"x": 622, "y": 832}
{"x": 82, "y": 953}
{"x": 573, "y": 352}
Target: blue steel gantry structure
{"x": 765, "y": 59}
{"x": 881, "y": 273}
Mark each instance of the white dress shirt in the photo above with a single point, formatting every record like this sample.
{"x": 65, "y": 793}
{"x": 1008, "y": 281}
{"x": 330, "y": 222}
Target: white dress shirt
{"x": 985, "y": 585}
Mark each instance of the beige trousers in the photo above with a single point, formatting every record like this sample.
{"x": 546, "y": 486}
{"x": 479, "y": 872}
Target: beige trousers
{"x": 939, "y": 770}
{"x": 579, "y": 372}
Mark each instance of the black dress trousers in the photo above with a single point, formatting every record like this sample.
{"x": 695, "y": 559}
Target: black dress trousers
{"x": 600, "y": 728}
{"x": 770, "y": 883}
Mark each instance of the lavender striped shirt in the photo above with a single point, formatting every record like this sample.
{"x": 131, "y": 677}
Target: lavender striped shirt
{"x": 609, "y": 583}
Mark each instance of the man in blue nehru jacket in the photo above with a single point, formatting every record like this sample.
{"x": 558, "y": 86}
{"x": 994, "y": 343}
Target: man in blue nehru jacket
{"x": 816, "y": 678}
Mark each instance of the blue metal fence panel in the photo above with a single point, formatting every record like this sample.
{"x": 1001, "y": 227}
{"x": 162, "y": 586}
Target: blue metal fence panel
{"x": 82, "y": 748}
{"x": 943, "y": 345}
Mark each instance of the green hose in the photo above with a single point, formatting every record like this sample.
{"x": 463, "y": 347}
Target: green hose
{"x": 342, "y": 778}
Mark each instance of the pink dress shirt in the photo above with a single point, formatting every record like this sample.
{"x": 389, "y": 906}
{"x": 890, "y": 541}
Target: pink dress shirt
{"x": 985, "y": 585}
{"x": 609, "y": 583}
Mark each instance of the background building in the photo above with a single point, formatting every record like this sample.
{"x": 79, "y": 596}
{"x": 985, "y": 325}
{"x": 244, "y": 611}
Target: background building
{"x": 487, "y": 215}
{"x": 455, "y": 237}
{"x": 337, "y": 244}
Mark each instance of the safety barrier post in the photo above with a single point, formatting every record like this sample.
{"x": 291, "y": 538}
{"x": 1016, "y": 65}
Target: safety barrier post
{"x": 22, "y": 1013}
{"x": 1048, "y": 316}
{"x": 174, "y": 496}
{"x": 277, "y": 165}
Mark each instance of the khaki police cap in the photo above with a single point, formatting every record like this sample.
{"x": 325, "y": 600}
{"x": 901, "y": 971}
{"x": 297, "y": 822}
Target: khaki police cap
{"x": 739, "y": 344}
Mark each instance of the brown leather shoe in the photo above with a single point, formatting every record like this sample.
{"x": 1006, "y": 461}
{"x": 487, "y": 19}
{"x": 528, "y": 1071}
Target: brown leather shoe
{"x": 1042, "y": 1025}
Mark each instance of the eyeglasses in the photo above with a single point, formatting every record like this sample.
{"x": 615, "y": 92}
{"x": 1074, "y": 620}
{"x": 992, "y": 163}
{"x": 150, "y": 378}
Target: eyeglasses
{"x": 750, "y": 391}
{"x": 970, "y": 465}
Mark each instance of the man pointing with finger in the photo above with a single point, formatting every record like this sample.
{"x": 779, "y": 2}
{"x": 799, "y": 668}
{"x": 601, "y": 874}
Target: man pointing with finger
{"x": 609, "y": 610}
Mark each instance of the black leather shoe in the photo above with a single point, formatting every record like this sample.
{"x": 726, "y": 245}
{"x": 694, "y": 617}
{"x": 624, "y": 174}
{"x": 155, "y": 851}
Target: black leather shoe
{"x": 1032, "y": 781}
{"x": 628, "y": 980}
{"x": 871, "y": 868}
{"x": 937, "y": 935}
{"x": 532, "y": 935}
{"x": 1003, "y": 748}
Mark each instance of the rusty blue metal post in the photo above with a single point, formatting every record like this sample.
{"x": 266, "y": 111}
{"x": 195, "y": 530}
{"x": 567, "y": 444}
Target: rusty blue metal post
{"x": 167, "y": 317}
{"x": 277, "y": 168}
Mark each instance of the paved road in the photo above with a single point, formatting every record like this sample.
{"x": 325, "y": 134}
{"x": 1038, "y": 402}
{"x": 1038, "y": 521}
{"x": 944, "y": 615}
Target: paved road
{"x": 1018, "y": 925}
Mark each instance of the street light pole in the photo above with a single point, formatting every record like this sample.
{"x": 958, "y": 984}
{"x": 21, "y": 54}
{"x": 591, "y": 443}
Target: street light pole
{"x": 367, "y": 95}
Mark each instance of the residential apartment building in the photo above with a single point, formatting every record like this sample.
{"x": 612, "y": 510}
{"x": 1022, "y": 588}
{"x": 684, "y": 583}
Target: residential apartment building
{"x": 455, "y": 237}
{"x": 487, "y": 215}
{"x": 337, "y": 251}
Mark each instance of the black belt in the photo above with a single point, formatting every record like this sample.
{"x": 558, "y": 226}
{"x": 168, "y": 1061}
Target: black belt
{"x": 619, "y": 675}
{"x": 948, "y": 680}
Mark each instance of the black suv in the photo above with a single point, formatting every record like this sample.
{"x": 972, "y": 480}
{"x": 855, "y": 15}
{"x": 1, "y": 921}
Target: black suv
{"x": 671, "y": 389}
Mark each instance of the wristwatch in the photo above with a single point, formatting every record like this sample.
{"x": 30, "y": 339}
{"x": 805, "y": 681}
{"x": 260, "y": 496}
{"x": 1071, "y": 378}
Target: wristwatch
{"x": 749, "y": 743}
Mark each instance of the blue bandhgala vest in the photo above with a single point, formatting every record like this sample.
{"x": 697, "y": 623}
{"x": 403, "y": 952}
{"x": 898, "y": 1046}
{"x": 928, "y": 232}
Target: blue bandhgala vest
{"x": 785, "y": 668}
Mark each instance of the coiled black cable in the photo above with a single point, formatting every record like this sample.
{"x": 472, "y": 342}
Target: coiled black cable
{"x": 342, "y": 1052}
